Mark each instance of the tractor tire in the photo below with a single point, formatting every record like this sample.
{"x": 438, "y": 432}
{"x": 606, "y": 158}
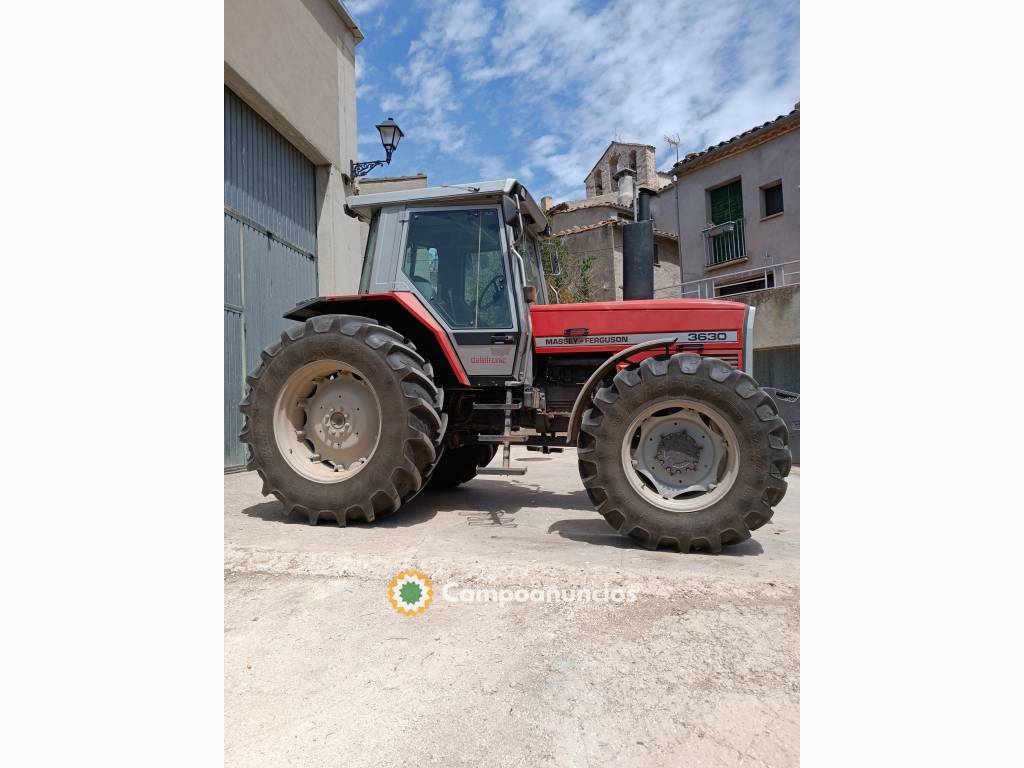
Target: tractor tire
{"x": 684, "y": 451}
{"x": 343, "y": 419}
{"x": 459, "y": 465}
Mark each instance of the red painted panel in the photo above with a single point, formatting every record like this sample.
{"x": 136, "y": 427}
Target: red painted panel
{"x": 409, "y": 301}
{"x": 616, "y": 321}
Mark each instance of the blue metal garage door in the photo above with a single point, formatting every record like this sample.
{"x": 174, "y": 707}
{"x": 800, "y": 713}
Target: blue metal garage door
{"x": 269, "y": 248}
{"x": 778, "y": 370}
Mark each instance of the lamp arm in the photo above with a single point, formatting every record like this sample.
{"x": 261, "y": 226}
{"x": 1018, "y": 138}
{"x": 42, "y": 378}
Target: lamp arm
{"x": 361, "y": 169}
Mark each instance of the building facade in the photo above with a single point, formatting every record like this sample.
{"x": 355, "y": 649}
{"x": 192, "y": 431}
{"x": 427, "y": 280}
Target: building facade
{"x": 727, "y": 226}
{"x": 592, "y": 233}
{"x": 289, "y": 135}
{"x": 372, "y": 186}
{"x": 603, "y": 179}
{"x": 738, "y": 215}
{"x": 591, "y": 229}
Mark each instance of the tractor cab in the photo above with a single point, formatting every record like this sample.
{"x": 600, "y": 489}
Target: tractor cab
{"x": 471, "y": 255}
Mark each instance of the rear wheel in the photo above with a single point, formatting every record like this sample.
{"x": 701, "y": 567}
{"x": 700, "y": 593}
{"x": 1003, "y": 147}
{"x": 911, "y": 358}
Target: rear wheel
{"x": 684, "y": 451}
{"x": 343, "y": 419}
{"x": 459, "y": 465}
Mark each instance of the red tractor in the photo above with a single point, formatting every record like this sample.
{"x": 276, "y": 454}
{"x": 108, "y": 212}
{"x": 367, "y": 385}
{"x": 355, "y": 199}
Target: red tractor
{"x": 452, "y": 349}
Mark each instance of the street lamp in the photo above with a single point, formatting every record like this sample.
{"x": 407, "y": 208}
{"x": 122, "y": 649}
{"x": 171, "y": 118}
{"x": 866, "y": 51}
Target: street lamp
{"x": 390, "y": 135}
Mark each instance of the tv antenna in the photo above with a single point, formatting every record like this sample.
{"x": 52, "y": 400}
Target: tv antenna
{"x": 673, "y": 141}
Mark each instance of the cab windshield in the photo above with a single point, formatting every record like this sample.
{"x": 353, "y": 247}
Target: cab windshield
{"x": 455, "y": 260}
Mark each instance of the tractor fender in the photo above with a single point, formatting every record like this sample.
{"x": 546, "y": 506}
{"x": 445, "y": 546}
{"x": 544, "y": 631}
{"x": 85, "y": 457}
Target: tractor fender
{"x": 402, "y": 311}
{"x": 607, "y": 368}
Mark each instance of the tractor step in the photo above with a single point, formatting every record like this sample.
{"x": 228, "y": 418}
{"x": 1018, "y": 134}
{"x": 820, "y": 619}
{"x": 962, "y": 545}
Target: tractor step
{"x": 517, "y": 439}
{"x": 506, "y": 438}
{"x": 497, "y": 406}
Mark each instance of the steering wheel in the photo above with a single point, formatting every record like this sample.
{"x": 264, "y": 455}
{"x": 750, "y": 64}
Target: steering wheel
{"x": 491, "y": 292}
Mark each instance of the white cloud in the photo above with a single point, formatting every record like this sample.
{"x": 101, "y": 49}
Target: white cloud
{"x": 563, "y": 80}
{"x": 461, "y": 26}
{"x": 364, "y": 71}
{"x": 546, "y": 144}
{"x": 368, "y": 139}
{"x": 492, "y": 167}
{"x": 692, "y": 67}
{"x": 357, "y": 7}
{"x": 495, "y": 167}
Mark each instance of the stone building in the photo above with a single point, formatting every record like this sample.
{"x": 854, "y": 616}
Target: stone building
{"x": 592, "y": 228}
{"x": 603, "y": 181}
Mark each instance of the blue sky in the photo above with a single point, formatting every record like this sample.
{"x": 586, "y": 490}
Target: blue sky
{"x": 535, "y": 89}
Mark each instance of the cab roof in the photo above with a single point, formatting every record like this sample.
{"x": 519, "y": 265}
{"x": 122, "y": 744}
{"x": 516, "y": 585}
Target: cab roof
{"x": 363, "y": 206}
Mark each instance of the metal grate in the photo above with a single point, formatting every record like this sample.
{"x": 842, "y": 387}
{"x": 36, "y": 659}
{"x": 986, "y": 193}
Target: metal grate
{"x": 732, "y": 358}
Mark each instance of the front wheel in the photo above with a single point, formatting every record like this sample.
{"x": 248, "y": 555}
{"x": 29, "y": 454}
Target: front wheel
{"x": 684, "y": 451}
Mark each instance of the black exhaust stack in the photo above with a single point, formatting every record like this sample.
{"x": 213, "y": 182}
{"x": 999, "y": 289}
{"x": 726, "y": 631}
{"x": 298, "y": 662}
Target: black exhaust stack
{"x": 638, "y": 252}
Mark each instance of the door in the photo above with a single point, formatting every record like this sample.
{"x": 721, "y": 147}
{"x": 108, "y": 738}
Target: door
{"x": 455, "y": 259}
{"x": 727, "y": 206}
{"x": 269, "y": 249}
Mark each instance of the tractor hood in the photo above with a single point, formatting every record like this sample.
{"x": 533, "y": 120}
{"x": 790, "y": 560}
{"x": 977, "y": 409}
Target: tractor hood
{"x": 708, "y": 326}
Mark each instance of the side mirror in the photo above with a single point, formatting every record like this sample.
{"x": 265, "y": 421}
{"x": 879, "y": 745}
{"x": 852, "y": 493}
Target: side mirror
{"x": 510, "y": 210}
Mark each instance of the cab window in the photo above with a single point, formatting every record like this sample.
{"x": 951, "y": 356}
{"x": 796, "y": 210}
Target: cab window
{"x": 455, "y": 261}
{"x": 529, "y": 249}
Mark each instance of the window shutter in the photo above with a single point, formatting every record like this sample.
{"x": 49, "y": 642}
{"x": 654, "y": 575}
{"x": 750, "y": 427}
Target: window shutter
{"x": 726, "y": 203}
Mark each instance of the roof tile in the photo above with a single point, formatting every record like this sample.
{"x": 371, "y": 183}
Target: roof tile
{"x": 693, "y": 157}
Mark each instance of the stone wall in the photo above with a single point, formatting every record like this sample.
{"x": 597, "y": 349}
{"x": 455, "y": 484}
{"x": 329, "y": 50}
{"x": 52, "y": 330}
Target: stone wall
{"x": 617, "y": 157}
{"x": 581, "y": 217}
{"x": 666, "y": 270}
{"x": 600, "y": 245}
{"x": 604, "y": 246}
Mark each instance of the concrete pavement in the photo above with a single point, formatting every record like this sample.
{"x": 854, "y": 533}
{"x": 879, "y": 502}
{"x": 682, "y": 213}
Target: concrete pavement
{"x": 701, "y": 669}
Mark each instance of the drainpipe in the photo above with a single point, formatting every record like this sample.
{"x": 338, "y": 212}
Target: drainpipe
{"x": 679, "y": 234}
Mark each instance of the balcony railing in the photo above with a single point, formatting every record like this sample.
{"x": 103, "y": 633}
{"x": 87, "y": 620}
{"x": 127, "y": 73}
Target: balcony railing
{"x": 724, "y": 243}
{"x": 769, "y": 276}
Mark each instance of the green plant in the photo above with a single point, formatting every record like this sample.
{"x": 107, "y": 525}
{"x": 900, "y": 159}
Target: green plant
{"x": 573, "y": 283}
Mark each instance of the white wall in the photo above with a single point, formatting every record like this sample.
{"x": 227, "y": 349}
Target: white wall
{"x": 293, "y": 62}
{"x": 768, "y": 241}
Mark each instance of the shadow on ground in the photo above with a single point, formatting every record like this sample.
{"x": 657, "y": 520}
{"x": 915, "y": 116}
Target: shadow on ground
{"x": 597, "y": 531}
{"x": 488, "y": 505}
{"x": 273, "y": 512}
{"x": 495, "y": 497}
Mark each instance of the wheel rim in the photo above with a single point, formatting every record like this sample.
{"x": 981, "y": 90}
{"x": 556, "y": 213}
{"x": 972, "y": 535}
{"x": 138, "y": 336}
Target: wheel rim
{"x": 680, "y": 455}
{"x": 327, "y": 421}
